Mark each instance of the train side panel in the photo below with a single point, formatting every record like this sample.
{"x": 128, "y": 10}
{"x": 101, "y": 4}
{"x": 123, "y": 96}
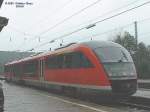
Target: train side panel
{"x": 83, "y": 76}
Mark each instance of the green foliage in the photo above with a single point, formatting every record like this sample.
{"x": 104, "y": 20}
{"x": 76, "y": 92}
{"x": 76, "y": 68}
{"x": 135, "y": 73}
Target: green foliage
{"x": 127, "y": 41}
{"x": 141, "y": 57}
{"x": 143, "y": 64}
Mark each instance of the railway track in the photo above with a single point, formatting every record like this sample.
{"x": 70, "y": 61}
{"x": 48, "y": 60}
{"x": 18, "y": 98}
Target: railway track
{"x": 134, "y": 105}
{"x": 132, "y": 102}
{"x": 136, "y": 102}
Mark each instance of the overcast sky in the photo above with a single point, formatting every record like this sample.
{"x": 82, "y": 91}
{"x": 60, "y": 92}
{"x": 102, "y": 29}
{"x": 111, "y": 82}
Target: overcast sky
{"x": 26, "y": 25}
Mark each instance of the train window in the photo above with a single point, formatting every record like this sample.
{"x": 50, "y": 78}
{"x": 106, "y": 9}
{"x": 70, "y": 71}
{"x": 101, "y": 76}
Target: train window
{"x": 51, "y": 62}
{"x": 7, "y": 68}
{"x": 30, "y": 68}
{"x": 68, "y": 60}
{"x": 16, "y": 70}
{"x": 54, "y": 62}
{"x": 60, "y": 59}
{"x": 76, "y": 60}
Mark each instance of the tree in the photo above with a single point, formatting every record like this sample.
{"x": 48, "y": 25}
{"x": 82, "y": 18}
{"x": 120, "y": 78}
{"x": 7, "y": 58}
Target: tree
{"x": 126, "y": 40}
{"x": 143, "y": 64}
{"x": 141, "y": 57}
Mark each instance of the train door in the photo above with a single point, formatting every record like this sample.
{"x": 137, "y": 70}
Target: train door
{"x": 41, "y": 69}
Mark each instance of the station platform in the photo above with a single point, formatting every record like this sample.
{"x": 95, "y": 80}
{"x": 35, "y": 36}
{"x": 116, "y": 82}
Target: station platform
{"x": 144, "y": 81}
{"x": 143, "y": 93}
{"x": 144, "y": 84}
{"x": 25, "y": 99}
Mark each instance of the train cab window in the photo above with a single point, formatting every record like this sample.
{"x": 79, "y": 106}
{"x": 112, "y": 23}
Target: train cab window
{"x": 113, "y": 54}
{"x": 85, "y": 61}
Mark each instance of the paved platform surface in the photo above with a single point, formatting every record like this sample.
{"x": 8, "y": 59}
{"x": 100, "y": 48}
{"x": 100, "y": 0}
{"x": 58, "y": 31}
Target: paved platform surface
{"x": 144, "y": 81}
{"x": 145, "y": 93}
{"x": 24, "y": 99}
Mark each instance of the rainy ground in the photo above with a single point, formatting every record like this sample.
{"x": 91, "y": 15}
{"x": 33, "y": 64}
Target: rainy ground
{"x": 25, "y": 99}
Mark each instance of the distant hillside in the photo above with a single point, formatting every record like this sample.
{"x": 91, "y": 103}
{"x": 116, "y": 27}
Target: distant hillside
{"x": 7, "y": 56}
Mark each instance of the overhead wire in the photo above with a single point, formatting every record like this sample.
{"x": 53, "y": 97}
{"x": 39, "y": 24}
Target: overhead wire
{"x": 66, "y": 19}
{"x": 143, "y": 34}
{"x": 60, "y": 8}
{"x": 28, "y": 34}
{"x": 65, "y": 4}
{"x": 109, "y": 12}
{"x": 93, "y": 36}
{"x": 111, "y": 30}
{"x": 115, "y": 15}
{"x": 70, "y": 17}
{"x": 143, "y": 20}
{"x": 126, "y": 5}
{"x": 19, "y": 31}
{"x": 53, "y": 40}
{"x": 119, "y": 13}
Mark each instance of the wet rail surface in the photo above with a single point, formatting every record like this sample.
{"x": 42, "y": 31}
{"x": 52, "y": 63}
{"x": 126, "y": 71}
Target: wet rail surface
{"x": 25, "y": 99}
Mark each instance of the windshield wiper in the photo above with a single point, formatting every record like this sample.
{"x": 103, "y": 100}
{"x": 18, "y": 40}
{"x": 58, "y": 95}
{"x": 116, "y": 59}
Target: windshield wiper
{"x": 123, "y": 57}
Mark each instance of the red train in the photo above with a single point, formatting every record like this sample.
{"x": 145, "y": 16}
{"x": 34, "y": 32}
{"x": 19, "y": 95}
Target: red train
{"x": 94, "y": 67}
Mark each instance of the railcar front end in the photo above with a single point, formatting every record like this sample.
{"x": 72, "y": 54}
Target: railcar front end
{"x": 118, "y": 66}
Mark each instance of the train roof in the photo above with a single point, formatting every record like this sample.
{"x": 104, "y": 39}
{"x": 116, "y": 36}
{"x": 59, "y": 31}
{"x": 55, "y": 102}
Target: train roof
{"x": 96, "y": 44}
{"x": 90, "y": 44}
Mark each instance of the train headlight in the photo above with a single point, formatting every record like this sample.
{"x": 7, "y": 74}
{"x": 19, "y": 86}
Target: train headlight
{"x": 110, "y": 74}
{"x": 113, "y": 74}
{"x": 124, "y": 74}
{"x": 132, "y": 74}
